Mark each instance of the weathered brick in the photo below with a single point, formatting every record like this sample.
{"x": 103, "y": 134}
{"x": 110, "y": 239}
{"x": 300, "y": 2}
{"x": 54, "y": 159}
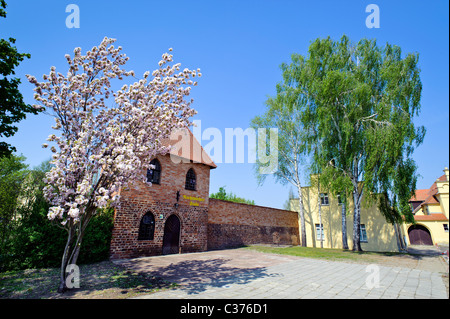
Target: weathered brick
{"x": 205, "y": 223}
{"x": 235, "y": 224}
{"x": 161, "y": 200}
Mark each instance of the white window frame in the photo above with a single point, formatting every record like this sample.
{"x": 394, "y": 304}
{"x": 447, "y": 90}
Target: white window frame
{"x": 362, "y": 233}
{"x": 319, "y": 232}
{"x": 324, "y": 200}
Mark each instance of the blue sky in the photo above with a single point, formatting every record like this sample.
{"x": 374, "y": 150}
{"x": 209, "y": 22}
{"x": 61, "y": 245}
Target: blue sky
{"x": 239, "y": 46}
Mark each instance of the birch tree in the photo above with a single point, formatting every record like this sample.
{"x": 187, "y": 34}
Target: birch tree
{"x": 363, "y": 99}
{"x": 283, "y": 112}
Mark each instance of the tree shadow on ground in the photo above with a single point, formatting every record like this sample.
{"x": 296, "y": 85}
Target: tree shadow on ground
{"x": 423, "y": 251}
{"x": 104, "y": 280}
{"x": 198, "y": 275}
{"x": 415, "y": 252}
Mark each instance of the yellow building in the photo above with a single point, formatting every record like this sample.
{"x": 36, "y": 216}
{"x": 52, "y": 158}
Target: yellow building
{"x": 375, "y": 233}
{"x": 430, "y": 208}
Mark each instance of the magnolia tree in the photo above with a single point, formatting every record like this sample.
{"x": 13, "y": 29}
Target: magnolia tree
{"x": 105, "y": 137}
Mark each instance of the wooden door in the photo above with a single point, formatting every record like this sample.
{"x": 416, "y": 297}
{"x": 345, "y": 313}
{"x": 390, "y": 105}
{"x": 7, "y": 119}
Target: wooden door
{"x": 419, "y": 235}
{"x": 171, "y": 239}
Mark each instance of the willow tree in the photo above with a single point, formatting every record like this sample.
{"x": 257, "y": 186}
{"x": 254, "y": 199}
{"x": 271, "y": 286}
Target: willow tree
{"x": 362, "y": 99}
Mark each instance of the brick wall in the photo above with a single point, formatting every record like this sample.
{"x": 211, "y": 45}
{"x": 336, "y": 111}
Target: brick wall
{"x": 233, "y": 225}
{"x": 140, "y": 198}
{"x": 173, "y": 178}
{"x": 205, "y": 223}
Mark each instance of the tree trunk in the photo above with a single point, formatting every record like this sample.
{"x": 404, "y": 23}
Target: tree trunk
{"x": 344, "y": 225}
{"x": 402, "y": 238}
{"x": 302, "y": 216}
{"x": 321, "y": 227}
{"x": 70, "y": 257}
{"x": 62, "y": 283}
{"x": 356, "y": 222}
{"x": 72, "y": 250}
{"x": 398, "y": 233}
{"x": 320, "y": 213}
{"x": 77, "y": 247}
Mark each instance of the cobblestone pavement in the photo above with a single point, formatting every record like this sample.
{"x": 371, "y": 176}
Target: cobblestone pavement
{"x": 245, "y": 274}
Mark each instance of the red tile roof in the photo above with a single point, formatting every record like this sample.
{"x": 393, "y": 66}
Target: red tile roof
{"x": 431, "y": 217}
{"x": 427, "y": 196}
{"x": 420, "y": 195}
{"x": 431, "y": 200}
{"x": 185, "y": 145}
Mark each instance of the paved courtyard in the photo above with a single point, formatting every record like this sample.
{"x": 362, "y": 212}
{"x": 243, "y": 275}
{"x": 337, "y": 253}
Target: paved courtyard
{"x": 246, "y": 274}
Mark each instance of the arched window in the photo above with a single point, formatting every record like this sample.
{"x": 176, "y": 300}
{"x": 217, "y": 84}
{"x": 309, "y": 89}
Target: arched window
{"x": 154, "y": 175}
{"x": 147, "y": 227}
{"x": 191, "y": 180}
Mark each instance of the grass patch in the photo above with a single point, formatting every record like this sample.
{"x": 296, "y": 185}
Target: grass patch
{"x": 322, "y": 253}
{"x": 104, "y": 280}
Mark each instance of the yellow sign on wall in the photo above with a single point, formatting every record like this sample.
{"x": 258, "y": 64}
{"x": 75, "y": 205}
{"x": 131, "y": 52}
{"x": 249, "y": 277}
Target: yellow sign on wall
{"x": 193, "y": 201}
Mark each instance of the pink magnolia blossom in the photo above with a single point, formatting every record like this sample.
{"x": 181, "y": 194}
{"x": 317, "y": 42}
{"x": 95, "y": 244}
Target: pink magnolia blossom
{"x": 106, "y": 138}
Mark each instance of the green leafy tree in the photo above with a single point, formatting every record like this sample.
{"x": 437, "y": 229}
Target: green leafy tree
{"x": 362, "y": 99}
{"x": 223, "y": 195}
{"x": 338, "y": 185}
{"x": 12, "y": 107}
{"x": 284, "y": 111}
{"x": 12, "y": 173}
{"x": 33, "y": 242}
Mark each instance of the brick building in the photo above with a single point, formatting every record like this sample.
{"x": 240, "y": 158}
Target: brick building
{"x": 175, "y": 214}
